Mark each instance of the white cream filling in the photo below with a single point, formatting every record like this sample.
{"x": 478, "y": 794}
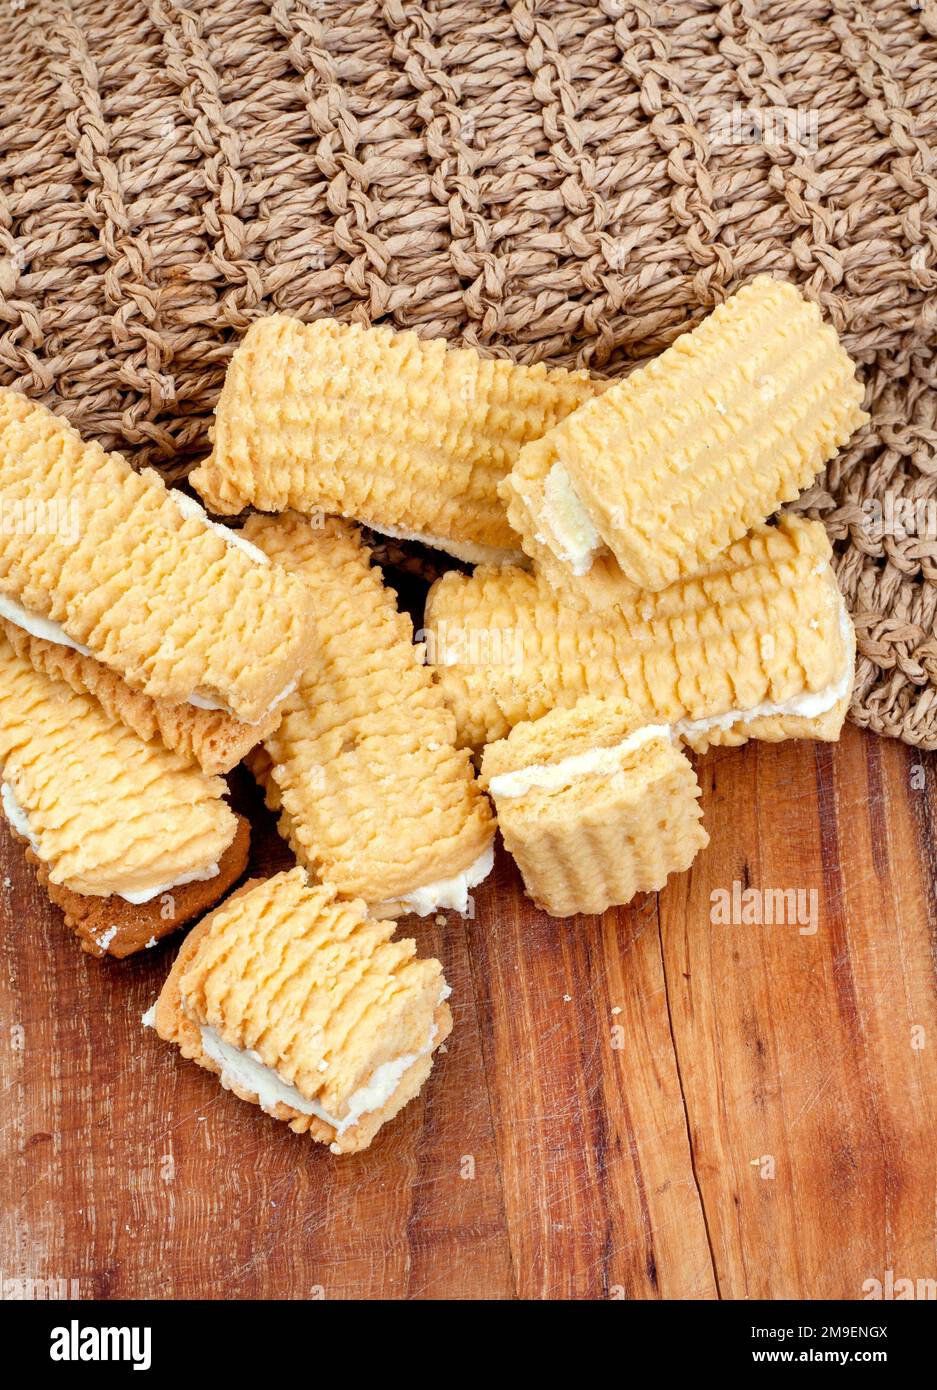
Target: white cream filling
{"x": 809, "y": 705}
{"x": 193, "y": 510}
{"x": 601, "y": 761}
{"x": 36, "y": 626}
{"x": 469, "y": 552}
{"x": 143, "y": 895}
{"x": 209, "y": 703}
{"x": 51, "y": 631}
{"x": 245, "y": 1070}
{"x": 17, "y": 816}
{"x": 575, "y": 537}
{"x": 20, "y": 823}
{"x": 445, "y": 893}
{"x": 547, "y": 776}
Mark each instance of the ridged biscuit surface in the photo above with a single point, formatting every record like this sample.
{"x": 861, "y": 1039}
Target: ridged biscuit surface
{"x": 318, "y": 992}
{"x": 131, "y": 573}
{"x": 216, "y": 741}
{"x": 607, "y": 807}
{"x": 690, "y": 452}
{"x": 107, "y": 812}
{"x": 761, "y": 626}
{"x": 373, "y": 794}
{"x": 405, "y": 434}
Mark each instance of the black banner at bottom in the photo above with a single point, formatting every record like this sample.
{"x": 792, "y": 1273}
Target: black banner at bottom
{"x": 226, "y": 1337}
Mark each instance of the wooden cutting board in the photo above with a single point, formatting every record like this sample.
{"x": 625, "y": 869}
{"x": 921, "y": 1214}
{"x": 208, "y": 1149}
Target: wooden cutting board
{"x": 644, "y": 1105}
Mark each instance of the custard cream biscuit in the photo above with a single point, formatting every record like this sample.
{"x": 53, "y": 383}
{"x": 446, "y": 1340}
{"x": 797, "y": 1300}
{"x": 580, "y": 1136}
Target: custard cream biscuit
{"x": 105, "y": 813}
{"x": 759, "y": 645}
{"x": 216, "y": 741}
{"x": 595, "y": 804}
{"x": 404, "y": 434}
{"x": 306, "y": 1006}
{"x": 373, "y": 795}
{"x": 115, "y": 927}
{"x": 650, "y": 482}
{"x": 117, "y": 566}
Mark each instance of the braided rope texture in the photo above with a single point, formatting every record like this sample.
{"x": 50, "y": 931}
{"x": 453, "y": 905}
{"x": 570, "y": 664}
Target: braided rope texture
{"x": 547, "y": 180}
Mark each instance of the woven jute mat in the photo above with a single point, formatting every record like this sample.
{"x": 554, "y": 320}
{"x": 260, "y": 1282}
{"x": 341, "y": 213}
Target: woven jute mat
{"x": 568, "y": 182}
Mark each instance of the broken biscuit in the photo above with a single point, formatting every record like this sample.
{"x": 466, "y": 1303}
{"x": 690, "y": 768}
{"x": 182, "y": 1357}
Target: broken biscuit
{"x": 306, "y": 1006}
{"x": 595, "y": 805}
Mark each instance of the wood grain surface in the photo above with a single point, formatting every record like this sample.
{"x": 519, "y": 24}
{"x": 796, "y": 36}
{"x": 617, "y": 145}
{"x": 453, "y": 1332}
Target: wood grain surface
{"x": 646, "y": 1105}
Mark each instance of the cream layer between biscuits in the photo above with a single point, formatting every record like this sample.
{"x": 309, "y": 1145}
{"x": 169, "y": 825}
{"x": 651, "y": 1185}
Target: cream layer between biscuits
{"x": 599, "y": 761}
{"x": 445, "y": 894}
{"x": 244, "y": 1069}
{"x": 573, "y": 535}
{"x": 51, "y": 631}
{"x": 594, "y": 762}
{"x": 20, "y": 823}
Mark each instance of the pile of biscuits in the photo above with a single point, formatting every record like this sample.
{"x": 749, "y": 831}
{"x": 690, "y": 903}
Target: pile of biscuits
{"x": 622, "y": 598}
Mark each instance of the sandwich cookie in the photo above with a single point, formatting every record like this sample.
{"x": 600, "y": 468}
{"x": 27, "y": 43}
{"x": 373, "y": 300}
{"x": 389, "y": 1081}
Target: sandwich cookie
{"x": 130, "y": 839}
{"x": 759, "y": 645}
{"x": 650, "y": 482}
{"x": 595, "y": 804}
{"x": 211, "y": 738}
{"x": 404, "y": 434}
{"x": 373, "y": 795}
{"x": 139, "y": 579}
{"x": 304, "y": 1005}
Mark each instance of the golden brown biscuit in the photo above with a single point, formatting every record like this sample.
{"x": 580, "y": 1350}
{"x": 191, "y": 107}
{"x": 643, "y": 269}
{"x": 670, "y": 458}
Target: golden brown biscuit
{"x": 106, "y": 812}
{"x": 216, "y": 741}
{"x": 407, "y": 435}
{"x": 136, "y": 576}
{"x": 759, "y": 645}
{"x": 112, "y": 926}
{"x": 649, "y": 483}
{"x": 306, "y": 1006}
{"x": 595, "y": 804}
{"x": 372, "y": 793}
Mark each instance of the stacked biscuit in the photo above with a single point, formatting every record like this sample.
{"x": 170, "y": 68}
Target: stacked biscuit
{"x": 629, "y": 600}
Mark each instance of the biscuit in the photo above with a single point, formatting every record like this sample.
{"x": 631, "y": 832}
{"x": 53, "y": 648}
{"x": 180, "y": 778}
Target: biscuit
{"x": 759, "y": 645}
{"x": 106, "y": 812}
{"x": 406, "y": 435}
{"x": 306, "y": 1006}
{"x": 595, "y": 805}
{"x": 650, "y": 482}
{"x": 136, "y": 576}
{"x": 216, "y": 741}
{"x": 112, "y": 926}
{"x": 372, "y": 793}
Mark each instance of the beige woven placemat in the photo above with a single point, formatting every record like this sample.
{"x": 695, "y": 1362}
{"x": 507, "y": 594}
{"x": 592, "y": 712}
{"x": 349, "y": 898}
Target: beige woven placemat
{"x": 561, "y": 181}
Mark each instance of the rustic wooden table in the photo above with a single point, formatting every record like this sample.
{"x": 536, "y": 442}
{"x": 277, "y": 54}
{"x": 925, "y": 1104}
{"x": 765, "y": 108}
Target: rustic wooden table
{"x": 647, "y": 1105}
